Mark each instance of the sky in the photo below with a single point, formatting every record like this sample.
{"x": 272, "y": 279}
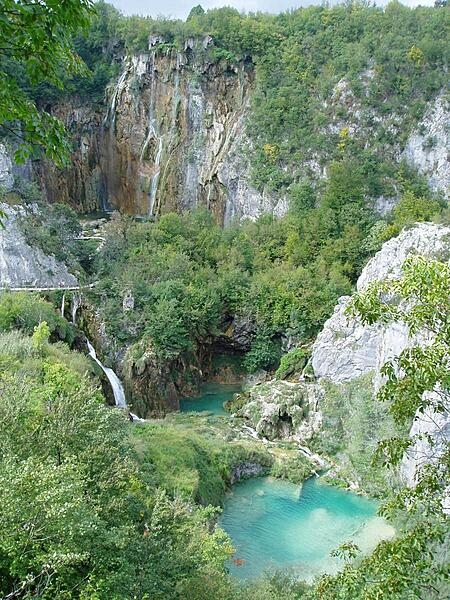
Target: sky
{"x": 180, "y": 9}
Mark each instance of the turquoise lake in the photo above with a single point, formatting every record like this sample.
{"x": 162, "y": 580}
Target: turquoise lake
{"x": 276, "y": 525}
{"x": 211, "y": 398}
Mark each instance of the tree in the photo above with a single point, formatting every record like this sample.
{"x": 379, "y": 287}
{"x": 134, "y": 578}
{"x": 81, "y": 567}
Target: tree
{"x": 196, "y": 11}
{"x": 36, "y": 46}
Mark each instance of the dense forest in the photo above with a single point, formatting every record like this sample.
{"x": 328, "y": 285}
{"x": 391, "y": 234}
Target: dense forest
{"x": 97, "y": 507}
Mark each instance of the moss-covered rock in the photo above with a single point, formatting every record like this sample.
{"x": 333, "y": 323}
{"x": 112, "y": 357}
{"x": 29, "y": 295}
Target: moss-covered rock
{"x": 281, "y": 409}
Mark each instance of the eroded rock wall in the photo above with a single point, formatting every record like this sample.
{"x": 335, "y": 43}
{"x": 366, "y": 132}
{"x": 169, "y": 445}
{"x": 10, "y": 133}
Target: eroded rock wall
{"x": 346, "y": 349}
{"x": 170, "y": 138}
{"x": 23, "y": 266}
{"x": 428, "y": 147}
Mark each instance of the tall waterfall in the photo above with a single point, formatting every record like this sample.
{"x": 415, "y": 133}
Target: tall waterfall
{"x": 116, "y": 384}
{"x": 155, "y": 178}
{"x": 63, "y": 304}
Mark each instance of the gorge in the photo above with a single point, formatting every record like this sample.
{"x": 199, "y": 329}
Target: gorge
{"x": 243, "y": 237}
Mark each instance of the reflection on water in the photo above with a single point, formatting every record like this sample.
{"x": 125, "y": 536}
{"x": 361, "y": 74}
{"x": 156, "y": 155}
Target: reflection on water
{"x": 272, "y": 526}
{"x": 211, "y": 398}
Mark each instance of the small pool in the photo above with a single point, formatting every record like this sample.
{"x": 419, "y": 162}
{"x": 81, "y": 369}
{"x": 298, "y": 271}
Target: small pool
{"x": 211, "y": 398}
{"x": 276, "y": 525}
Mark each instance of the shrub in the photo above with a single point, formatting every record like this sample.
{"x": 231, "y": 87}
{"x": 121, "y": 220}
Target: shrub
{"x": 292, "y": 362}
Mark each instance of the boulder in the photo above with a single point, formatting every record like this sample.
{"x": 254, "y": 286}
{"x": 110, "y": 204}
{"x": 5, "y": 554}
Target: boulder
{"x": 282, "y": 409}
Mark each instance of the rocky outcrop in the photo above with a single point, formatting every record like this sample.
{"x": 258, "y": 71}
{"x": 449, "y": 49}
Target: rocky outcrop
{"x": 154, "y": 385}
{"x": 345, "y": 349}
{"x": 431, "y": 426}
{"x": 171, "y": 138}
{"x": 282, "y": 409}
{"x": 427, "y": 148}
{"x": 246, "y": 469}
{"x": 6, "y": 170}
{"x": 24, "y": 266}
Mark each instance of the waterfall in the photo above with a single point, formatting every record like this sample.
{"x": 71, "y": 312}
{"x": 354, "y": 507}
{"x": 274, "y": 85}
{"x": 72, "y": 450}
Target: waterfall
{"x": 155, "y": 178}
{"x": 111, "y": 114}
{"x": 76, "y": 303}
{"x": 116, "y": 384}
{"x": 63, "y": 304}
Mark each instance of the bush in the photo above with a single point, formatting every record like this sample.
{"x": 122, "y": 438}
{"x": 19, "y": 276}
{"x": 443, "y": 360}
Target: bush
{"x": 25, "y": 311}
{"x": 295, "y": 469}
{"x": 293, "y": 362}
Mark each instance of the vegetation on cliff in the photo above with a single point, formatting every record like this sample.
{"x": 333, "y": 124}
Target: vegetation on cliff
{"x": 417, "y": 384}
{"x": 332, "y": 82}
{"x": 94, "y": 507}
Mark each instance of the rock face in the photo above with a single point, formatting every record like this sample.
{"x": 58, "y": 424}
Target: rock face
{"x": 434, "y": 424}
{"x": 153, "y": 385}
{"x": 428, "y": 146}
{"x": 24, "y": 266}
{"x": 171, "y": 138}
{"x": 281, "y": 409}
{"x": 6, "y": 170}
{"x": 345, "y": 349}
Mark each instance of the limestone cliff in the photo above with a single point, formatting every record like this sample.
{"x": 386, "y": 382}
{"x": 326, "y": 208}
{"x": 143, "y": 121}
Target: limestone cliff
{"x": 346, "y": 349}
{"x": 171, "y": 137}
{"x": 427, "y": 148}
{"x": 24, "y": 266}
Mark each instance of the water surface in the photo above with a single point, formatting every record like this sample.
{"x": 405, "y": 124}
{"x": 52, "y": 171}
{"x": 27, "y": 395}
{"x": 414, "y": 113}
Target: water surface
{"x": 211, "y": 398}
{"x": 277, "y": 525}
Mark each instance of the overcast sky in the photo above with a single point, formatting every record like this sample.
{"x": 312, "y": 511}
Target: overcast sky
{"x": 180, "y": 9}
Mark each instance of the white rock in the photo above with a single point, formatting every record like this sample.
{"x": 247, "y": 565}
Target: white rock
{"x": 431, "y": 423}
{"x": 6, "y": 170}
{"x": 429, "y": 152}
{"x": 24, "y": 266}
{"x": 346, "y": 349}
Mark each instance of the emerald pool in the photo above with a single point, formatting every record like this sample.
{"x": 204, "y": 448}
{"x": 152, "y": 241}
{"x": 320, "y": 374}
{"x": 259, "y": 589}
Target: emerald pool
{"x": 211, "y": 398}
{"x": 276, "y": 525}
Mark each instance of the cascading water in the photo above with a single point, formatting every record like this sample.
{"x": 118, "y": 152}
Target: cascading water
{"x": 116, "y": 384}
{"x": 155, "y": 178}
{"x": 76, "y": 303}
{"x": 63, "y": 304}
{"x": 111, "y": 114}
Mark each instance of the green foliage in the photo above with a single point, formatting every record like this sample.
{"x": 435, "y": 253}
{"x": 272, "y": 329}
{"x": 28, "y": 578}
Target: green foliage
{"x": 25, "y": 311}
{"x": 54, "y": 229}
{"x": 181, "y": 462}
{"x": 264, "y": 353}
{"x": 412, "y": 209}
{"x": 413, "y": 565}
{"x": 353, "y": 425}
{"x": 292, "y": 363}
{"x": 78, "y": 520}
{"x": 40, "y": 336}
{"x": 189, "y": 465}
{"x": 37, "y": 46}
{"x": 295, "y": 469}
{"x": 187, "y": 276}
